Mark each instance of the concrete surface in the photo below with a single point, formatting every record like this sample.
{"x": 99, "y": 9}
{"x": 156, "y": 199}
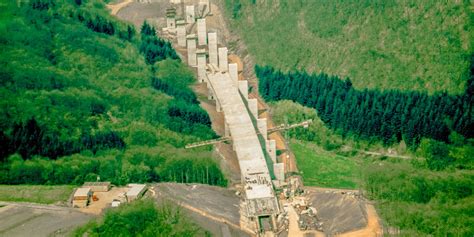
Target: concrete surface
{"x": 212, "y": 37}
{"x": 24, "y": 219}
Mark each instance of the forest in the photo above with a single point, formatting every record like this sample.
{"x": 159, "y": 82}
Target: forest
{"x": 390, "y": 116}
{"x": 84, "y": 95}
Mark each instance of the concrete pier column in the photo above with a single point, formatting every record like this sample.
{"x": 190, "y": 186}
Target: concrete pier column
{"x": 226, "y": 129}
{"x": 223, "y": 62}
{"x": 212, "y": 37}
{"x": 191, "y": 42}
{"x": 190, "y": 14}
{"x": 170, "y": 18}
{"x": 244, "y": 89}
{"x": 279, "y": 171}
{"x": 201, "y": 64}
{"x": 201, "y": 31}
{"x": 253, "y": 107}
{"x": 271, "y": 149}
{"x": 262, "y": 127}
{"x": 181, "y": 33}
{"x": 234, "y": 74}
{"x": 218, "y": 106}
{"x": 274, "y": 223}
{"x": 205, "y": 4}
{"x": 210, "y": 95}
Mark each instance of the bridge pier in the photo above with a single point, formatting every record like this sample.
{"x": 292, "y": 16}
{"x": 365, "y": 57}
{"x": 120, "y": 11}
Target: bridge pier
{"x": 212, "y": 38}
{"x": 271, "y": 149}
{"x": 201, "y": 64}
{"x": 201, "y": 31}
{"x": 253, "y": 107}
{"x": 244, "y": 89}
{"x": 210, "y": 95}
{"x": 218, "y": 106}
{"x": 226, "y": 128}
{"x": 223, "y": 62}
{"x": 234, "y": 74}
{"x": 170, "y": 19}
{"x": 191, "y": 41}
{"x": 181, "y": 33}
{"x": 262, "y": 127}
{"x": 190, "y": 14}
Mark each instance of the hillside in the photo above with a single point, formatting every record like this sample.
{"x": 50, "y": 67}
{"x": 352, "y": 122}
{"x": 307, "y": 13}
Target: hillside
{"x": 373, "y": 77}
{"x": 412, "y": 195}
{"x": 84, "y": 95}
{"x": 422, "y": 45}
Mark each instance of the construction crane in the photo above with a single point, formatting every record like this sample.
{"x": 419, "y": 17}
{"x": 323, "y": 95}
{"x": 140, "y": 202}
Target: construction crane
{"x": 304, "y": 124}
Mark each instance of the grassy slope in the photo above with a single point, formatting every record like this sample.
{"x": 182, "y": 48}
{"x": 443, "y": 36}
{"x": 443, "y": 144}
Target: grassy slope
{"x": 35, "y": 193}
{"x": 325, "y": 169}
{"x": 422, "y": 45}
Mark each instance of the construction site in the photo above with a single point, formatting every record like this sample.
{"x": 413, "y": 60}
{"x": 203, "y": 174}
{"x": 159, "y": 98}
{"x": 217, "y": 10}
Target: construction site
{"x": 265, "y": 197}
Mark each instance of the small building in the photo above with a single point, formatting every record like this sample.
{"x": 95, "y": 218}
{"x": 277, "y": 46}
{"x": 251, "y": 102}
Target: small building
{"x": 81, "y": 197}
{"x": 135, "y": 191}
{"x": 97, "y": 186}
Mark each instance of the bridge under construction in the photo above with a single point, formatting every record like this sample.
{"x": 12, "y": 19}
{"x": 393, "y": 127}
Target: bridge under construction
{"x": 256, "y": 154}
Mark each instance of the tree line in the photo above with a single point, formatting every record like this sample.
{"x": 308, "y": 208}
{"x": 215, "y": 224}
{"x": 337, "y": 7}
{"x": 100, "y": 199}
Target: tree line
{"x": 390, "y": 115}
{"x": 31, "y": 139}
{"x": 119, "y": 169}
{"x": 154, "y": 48}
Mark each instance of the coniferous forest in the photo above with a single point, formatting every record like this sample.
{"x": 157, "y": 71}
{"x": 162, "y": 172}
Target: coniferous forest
{"x": 84, "y": 95}
{"x": 390, "y": 115}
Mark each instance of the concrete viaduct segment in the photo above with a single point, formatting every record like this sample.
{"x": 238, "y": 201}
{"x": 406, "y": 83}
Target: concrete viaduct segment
{"x": 255, "y": 153}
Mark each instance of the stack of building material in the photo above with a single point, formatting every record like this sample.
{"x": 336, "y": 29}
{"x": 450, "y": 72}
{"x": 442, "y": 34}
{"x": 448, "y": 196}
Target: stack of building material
{"x": 97, "y": 186}
{"x": 81, "y": 197}
{"x": 135, "y": 191}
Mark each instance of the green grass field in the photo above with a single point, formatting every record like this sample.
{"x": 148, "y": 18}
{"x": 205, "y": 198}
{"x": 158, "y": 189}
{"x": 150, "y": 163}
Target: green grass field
{"x": 409, "y": 45}
{"x": 325, "y": 169}
{"x": 45, "y": 194}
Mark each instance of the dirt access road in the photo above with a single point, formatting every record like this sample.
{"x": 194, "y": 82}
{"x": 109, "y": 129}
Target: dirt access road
{"x": 115, "y": 8}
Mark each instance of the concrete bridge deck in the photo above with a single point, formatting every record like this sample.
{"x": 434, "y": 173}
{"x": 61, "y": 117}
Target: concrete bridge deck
{"x": 256, "y": 178}
{"x": 239, "y": 123}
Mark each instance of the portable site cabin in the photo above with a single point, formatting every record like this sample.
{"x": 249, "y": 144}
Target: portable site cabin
{"x": 81, "y": 197}
{"x": 135, "y": 191}
{"x": 97, "y": 186}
